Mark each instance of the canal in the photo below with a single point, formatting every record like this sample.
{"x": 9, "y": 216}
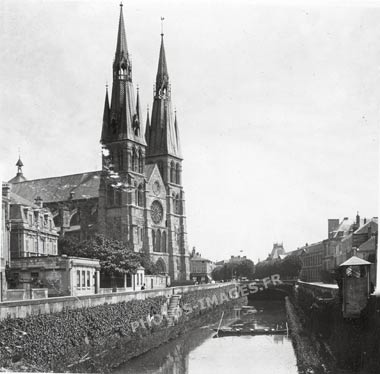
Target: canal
{"x": 199, "y": 351}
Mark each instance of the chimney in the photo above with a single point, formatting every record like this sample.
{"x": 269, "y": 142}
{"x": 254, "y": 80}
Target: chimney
{"x": 365, "y": 220}
{"x": 332, "y": 224}
{"x": 357, "y": 219}
{"x": 6, "y": 188}
{"x": 38, "y": 201}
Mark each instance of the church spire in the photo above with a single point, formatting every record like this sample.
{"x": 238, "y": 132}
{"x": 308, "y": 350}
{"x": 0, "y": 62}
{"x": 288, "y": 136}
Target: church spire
{"x": 163, "y": 140}
{"x": 106, "y": 117}
{"x": 162, "y": 77}
{"x": 123, "y": 120}
{"x": 138, "y": 116}
{"x": 121, "y": 46}
{"x": 147, "y": 125}
{"x": 121, "y": 54}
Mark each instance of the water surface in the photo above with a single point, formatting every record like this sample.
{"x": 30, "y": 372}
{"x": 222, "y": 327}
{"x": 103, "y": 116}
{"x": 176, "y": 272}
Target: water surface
{"x": 198, "y": 352}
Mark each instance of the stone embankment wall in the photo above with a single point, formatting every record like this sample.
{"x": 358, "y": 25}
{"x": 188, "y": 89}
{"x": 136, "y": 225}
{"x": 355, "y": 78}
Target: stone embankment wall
{"x": 95, "y": 337}
{"x": 344, "y": 344}
{"x": 23, "y": 308}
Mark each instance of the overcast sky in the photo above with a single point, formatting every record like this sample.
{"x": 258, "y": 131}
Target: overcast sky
{"x": 278, "y": 106}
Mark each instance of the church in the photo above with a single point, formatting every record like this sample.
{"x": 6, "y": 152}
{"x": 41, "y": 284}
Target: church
{"x": 137, "y": 197}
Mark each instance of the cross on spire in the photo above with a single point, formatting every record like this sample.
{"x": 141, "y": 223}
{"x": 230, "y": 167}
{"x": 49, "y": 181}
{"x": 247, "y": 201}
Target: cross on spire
{"x": 162, "y": 26}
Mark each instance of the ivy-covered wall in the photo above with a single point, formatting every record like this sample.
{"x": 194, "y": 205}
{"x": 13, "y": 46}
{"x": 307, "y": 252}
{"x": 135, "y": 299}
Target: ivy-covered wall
{"x": 54, "y": 341}
{"x": 94, "y": 338}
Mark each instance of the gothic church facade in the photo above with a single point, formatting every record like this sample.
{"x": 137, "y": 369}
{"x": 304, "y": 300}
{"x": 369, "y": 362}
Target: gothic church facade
{"x": 137, "y": 197}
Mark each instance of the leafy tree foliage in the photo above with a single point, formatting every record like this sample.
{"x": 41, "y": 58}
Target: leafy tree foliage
{"x": 231, "y": 270}
{"x": 290, "y": 266}
{"x": 115, "y": 257}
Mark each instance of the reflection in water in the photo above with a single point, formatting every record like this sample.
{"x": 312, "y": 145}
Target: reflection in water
{"x": 197, "y": 352}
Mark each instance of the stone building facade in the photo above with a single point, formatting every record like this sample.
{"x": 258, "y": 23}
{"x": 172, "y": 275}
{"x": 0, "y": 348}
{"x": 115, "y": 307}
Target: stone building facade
{"x": 4, "y": 240}
{"x": 32, "y": 229}
{"x": 312, "y": 259}
{"x": 200, "y": 268}
{"x": 60, "y": 275}
{"x": 138, "y": 196}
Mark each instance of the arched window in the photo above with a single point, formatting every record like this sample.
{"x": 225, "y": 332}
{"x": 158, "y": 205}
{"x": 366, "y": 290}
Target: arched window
{"x": 141, "y": 162}
{"x": 178, "y": 237}
{"x": 158, "y": 241}
{"x": 161, "y": 266}
{"x": 153, "y": 240}
{"x": 178, "y": 204}
{"x": 57, "y": 220}
{"x": 136, "y": 194}
{"x": 121, "y": 159}
{"x": 178, "y": 174}
{"x": 174, "y": 203}
{"x": 134, "y": 159}
{"x": 172, "y": 172}
{"x": 74, "y": 219}
{"x": 137, "y": 162}
{"x": 140, "y": 193}
{"x": 110, "y": 195}
{"x": 164, "y": 241}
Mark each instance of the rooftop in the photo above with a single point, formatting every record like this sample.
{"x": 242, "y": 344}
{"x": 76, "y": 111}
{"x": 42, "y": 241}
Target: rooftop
{"x": 54, "y": 189}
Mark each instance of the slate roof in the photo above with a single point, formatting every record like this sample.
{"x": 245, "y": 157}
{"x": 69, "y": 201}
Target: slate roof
{"x": 80, "y": 186}
{"x": 344, "y": 227}
{"x": 369, "y": 245}
{"x": 18, "y": 178}
{"x": 17, "y": 199}
{"x": 364, "y": 228}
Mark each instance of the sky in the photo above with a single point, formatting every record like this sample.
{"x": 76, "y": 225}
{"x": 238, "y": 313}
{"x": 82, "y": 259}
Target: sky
{"x": 277, "y": 104}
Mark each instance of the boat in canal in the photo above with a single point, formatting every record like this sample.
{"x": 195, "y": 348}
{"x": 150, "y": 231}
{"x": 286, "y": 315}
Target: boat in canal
{"x": 232, "y": 331}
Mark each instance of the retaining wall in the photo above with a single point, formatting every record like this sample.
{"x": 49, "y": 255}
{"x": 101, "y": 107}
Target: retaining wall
{"x": 91, "y": 333}
{"x": 23, "y": 308}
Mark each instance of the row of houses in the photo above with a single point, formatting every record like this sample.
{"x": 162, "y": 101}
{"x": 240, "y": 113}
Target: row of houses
{"x": 345, "y": 238}
{"x": 30, "y": 266}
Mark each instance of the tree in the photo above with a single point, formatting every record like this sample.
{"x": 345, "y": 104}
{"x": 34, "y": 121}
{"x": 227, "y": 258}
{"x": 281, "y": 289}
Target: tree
{"x": 231, "y": 270}
{"x": 290, "y": 266}
{"x": 217, "y": 273}
{"x": 115, "y": 257}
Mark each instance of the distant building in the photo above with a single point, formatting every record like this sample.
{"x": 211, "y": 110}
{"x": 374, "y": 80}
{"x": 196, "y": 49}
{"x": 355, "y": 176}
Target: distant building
{"x": 60, "y": 275}
{"x": 33, "y": 232}
{"x": 277, "y": 251}
{"x": 345, "y": 240}
{"x": 311, "y": 256}
{"x": 237, "y": 259}
{"x": 200, "y": 268}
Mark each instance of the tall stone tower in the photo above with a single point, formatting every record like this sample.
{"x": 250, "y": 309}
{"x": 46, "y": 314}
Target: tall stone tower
{"x": 164, "y": 149}
{"x": 122, "y": 188}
